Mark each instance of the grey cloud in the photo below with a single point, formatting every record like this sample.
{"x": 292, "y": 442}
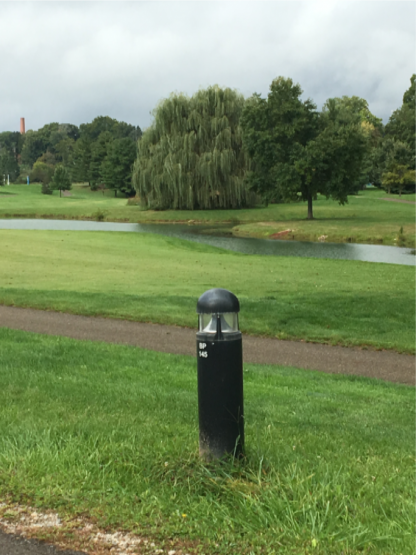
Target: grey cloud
{"x": 70, "y": 62}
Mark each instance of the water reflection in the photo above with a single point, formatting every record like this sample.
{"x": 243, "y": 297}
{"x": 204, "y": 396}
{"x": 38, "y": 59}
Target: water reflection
{"x": 204, "y": 234}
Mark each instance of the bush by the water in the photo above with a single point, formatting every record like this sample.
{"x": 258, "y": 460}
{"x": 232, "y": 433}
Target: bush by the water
{"x": 100, "y": 215}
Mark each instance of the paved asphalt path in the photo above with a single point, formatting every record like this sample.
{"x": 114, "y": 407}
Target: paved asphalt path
{"x": 17, "y": 545}
{"x": 384, "y": 365}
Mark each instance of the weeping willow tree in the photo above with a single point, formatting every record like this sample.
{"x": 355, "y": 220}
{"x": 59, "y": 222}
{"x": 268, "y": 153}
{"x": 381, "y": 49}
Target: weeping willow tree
{"x": 192, "y": 156}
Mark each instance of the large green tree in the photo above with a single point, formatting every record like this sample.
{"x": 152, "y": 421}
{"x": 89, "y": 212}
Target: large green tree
{"x": 64, "y": 151}
{"x": 9, "y": 167}
{"x": 117, "y": 129}
{"x": 397, "y": 173}
{"x": 80, "y": 161}
{"x": 401, "y": 125}
{"x": 61, "y": 180}
{"x": 35, "y": 144}
{"x": 389, "y": 153}
{"x": 43, "y": 169}
{"x": 88, "y": 158}
{"x": 358, "y": 110}
{"x": 297, "y": 152}
{"x": 192, "y": 156}
{"x": 116, "y": 169}
{"x": 12, "y": 142}
{"x": 99, "y": 151}
{"x": 399, "y": 178}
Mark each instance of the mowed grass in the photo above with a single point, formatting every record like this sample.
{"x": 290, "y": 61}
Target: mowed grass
{"x": 367, "y": 218}
{"x": 158, "y": 279}
{"x": 27, "y": 201}
{"x": 111, "y": 432}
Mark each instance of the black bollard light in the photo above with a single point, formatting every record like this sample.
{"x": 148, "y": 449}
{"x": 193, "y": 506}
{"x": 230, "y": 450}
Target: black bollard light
{"x": 220, "y": 375}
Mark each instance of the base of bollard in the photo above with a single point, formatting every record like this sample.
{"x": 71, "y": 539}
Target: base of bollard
{"x": 209, "y": 451}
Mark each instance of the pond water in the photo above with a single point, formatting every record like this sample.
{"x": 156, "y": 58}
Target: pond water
{"x": 222, "y": 238}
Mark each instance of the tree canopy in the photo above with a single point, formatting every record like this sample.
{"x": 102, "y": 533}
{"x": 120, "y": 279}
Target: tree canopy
{"x": 10, "y": 149}
{"x": 394, "y": 159}
{"x": 99, "y": 151}
{"x": 83, "y": 151}
{"x": 401, "y": 125}
{"x": 218, "y": 150}
{"x": 358, "y": 110}
{"x": 42, "y": 172}
{"x": 396, "y": 170}
{"x": 97, "y": 157}
{"x": 117, "y": 129}
{"x": 116, "y": 169}
{"x": 298, "y": 152}
{"x": 192, "y": 156}
{"x": 46, "y": 139}
{"x": 61, "y": 180}
{"x": 399, "y": 178}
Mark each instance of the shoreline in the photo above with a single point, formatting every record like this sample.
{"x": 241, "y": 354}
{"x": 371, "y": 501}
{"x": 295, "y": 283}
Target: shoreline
{"x": 228, "y": 229}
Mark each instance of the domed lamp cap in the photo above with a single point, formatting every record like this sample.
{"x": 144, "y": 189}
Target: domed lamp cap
{"x": 217, "y": 301}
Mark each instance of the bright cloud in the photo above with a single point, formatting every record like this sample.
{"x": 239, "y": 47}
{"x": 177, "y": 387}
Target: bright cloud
{"x": 72, "y": 61}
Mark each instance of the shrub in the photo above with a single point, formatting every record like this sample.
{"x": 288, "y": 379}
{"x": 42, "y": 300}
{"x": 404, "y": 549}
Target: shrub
{"x": 46, "y": 190}
{"x": 134, "y": 201}
{"x": 41, "y": 172}
{"x": 99, "y": 215}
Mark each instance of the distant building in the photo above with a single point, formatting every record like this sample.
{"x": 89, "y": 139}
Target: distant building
{"x": 22, "y": 126}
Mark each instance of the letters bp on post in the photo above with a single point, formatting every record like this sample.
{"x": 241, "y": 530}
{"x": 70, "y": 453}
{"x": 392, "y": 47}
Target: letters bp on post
{"x": 220, "y": 375}
{"x": 201, "y": 352}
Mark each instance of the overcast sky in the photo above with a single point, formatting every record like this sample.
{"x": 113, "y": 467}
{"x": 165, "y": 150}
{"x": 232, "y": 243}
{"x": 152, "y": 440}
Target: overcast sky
{"x": 72, "y": 61}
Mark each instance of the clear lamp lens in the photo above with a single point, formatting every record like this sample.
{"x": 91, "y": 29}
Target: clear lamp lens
{"x": 208, "y": 322}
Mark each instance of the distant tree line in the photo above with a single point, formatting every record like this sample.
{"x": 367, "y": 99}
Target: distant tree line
{"x": 218, "y": 150}
{"x": 100, "y": 153}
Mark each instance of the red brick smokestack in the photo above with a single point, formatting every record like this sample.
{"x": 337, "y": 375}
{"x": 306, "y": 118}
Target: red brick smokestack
{"x": 22, "y": 126}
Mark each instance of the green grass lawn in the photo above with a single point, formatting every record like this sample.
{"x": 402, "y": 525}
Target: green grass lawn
{"x": 365, "y": 219}
{"x": 111, "y": 432}
{"x": 27, "y": 201}
{"x": 158, "y": 279}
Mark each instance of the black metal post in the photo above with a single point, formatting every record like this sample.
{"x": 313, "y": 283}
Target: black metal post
{"x": 220, "y": 378}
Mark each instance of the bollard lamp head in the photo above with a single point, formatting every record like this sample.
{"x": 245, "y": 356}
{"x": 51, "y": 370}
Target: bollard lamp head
{"x": 218, "y": 312}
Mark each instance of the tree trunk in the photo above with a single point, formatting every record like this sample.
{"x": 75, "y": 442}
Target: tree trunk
{"x": 310, "y": 213}
{"x": 60, "y": 192}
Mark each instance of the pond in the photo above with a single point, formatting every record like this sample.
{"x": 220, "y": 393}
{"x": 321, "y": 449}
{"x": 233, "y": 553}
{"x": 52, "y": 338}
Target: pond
{"x": 222, "y": 238}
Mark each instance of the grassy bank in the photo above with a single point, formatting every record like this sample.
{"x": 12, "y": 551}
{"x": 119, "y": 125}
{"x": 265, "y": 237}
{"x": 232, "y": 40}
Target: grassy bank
{"x": 152, "y": 278}
{"x": 111, "y": 432}
{"x": 365, "y": 219}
